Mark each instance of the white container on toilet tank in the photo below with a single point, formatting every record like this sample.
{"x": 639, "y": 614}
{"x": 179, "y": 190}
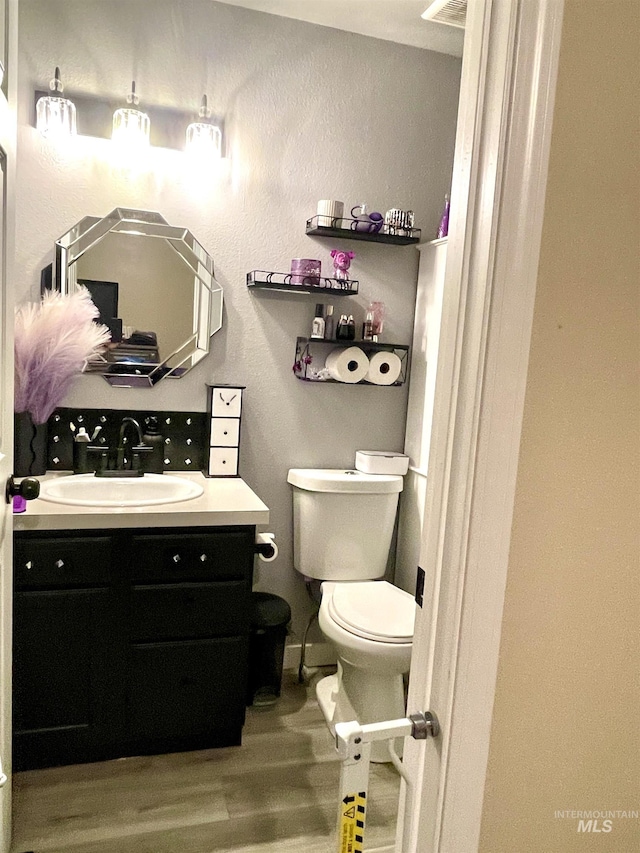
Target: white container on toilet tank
{"x": 382, "y": 462}
{"x": 343, "y": 522}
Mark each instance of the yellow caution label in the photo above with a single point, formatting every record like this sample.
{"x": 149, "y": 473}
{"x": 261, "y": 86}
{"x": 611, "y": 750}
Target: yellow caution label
{"x": 352, "y": 819}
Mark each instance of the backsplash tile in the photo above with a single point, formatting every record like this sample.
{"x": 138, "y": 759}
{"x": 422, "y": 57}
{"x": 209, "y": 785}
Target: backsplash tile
{"x": 185, "y": 435}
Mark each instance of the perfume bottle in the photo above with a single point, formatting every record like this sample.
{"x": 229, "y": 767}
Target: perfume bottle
{"x": 368, "y": 326}
{"x": 329, "y": 321}
{"x": 351, "y": 328}
{"x": 318, "y": 325}
{"x": 342, "y": 331}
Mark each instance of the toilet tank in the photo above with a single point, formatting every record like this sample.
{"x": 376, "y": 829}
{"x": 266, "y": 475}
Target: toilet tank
{"x": 342, "y": 522}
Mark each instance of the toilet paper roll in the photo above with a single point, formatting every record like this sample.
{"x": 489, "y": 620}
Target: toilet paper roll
{"x": 268, "y": 548}
{"x": 384, "y": 368}
{"x": 347, "y": 365}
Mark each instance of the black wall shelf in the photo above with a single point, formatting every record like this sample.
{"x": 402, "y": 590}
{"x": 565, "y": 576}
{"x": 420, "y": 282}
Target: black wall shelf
{"x": 304, "y": 367}
{"x": 264, "y": 280}
{"x": 345, "y": 230}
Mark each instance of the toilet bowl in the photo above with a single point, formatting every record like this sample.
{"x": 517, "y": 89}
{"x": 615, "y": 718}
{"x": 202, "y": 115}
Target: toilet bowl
{"x": 371, "y": 625}
{"x": 343, "y": 526}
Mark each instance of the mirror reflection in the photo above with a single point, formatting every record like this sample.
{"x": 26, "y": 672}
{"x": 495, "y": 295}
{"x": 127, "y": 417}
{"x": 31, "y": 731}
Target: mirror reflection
{"x": 154, "y": 287}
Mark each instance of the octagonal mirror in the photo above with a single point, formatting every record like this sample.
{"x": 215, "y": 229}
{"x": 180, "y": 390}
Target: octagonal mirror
{"x": 154, "y": 287}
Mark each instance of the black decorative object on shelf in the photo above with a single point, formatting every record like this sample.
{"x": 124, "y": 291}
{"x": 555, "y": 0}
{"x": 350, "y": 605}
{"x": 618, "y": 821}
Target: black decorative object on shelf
{"x": 306, "y": 368}
{"x": 346, "y": 229}
{"x": 265, "y": 280}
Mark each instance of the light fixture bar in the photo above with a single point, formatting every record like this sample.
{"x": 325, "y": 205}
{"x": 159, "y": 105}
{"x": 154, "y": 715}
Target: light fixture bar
{"x": 95, "y": 119}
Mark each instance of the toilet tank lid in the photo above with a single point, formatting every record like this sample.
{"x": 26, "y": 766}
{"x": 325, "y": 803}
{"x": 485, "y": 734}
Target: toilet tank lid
{"x": 338, "y": 480}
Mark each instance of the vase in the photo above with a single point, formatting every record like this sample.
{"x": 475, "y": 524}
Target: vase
{"x": 29, "y": 446}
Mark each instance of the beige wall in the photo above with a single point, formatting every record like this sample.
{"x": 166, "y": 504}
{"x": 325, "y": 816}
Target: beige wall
{"x": 566, "y": 720}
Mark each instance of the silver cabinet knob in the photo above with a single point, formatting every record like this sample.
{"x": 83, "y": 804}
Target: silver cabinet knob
{"x": 203, "y": 558}
{"x": 176, "y": 558}
{"x": 28, "y": 565}
{"x": 59, "y": 564}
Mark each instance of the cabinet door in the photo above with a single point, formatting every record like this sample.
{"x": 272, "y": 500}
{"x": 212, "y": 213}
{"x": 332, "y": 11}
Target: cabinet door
{"x": 62, "y": 676}
{"x": 189, "y": 611}
{"x": 187, "y": 694}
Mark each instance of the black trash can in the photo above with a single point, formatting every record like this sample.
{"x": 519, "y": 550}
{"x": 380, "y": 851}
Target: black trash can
{"x": 270, "y": 618}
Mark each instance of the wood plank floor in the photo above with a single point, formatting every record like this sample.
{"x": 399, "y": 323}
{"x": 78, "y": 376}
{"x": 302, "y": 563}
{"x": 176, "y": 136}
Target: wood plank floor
{"x": 277, "y": 793}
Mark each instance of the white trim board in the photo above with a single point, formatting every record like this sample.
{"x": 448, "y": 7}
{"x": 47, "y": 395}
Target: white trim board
{"x": 497, "y": 205}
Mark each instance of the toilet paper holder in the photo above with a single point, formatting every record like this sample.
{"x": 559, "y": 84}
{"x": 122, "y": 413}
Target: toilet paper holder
{"x": 311, "y": 353}
{"x": 265, "y": 547}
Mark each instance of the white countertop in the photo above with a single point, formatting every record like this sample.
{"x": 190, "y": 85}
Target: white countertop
{"x": 226, "y": 501}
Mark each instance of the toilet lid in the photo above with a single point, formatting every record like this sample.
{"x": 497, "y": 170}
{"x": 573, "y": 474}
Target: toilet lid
{"x": 374, "y": 610}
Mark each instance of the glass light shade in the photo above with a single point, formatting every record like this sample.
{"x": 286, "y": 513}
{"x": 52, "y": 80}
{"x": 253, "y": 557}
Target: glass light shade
{"x": 55, "y": 117}
{"x": 131, "y": 128}
{"x": 204, "y": 139}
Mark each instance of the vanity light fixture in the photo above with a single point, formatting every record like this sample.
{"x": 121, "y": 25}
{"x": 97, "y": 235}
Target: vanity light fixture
{"x": 204, "y": 138}
{"x": 55, "y": 115}
{"x": 131, "y": 127}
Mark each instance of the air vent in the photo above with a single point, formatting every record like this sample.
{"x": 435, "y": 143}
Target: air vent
{"x": 451, "y": 12}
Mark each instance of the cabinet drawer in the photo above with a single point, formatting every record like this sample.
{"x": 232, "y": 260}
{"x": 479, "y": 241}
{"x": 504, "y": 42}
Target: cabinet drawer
{"x": 223, "y": 461}
{"x": 82, "y": 561}
{"x": 190, "y": 610}
{"x": 226, "y": 402}
{"x": 193, "y": 556}
{"x": 225, "y": 432}
{"x": 188, "y": 689}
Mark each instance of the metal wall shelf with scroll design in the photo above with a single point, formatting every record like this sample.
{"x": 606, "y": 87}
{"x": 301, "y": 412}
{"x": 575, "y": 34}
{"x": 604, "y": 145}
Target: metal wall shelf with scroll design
{"x": 264, "y": 280}
{"x": 345, "y": 229}
{"x": 310, "y": 369}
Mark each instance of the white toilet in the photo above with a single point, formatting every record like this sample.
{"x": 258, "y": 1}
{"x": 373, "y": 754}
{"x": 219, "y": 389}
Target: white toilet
{"x": 343, "y": 523}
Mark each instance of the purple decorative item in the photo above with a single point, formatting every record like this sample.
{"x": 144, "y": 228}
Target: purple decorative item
{"x": 53, "y": 340}
{"x": 368, "y": 223}
{"x": 377, "y": 221}
{"x": 19, "y": 504}
{"x": 443, "y": 228}
{"x": 305, "y": 271}
{"x": 342, "y": 262}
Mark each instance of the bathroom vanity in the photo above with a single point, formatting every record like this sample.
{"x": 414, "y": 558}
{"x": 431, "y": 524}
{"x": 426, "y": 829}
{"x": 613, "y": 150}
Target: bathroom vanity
{"x": 131, "y": 625}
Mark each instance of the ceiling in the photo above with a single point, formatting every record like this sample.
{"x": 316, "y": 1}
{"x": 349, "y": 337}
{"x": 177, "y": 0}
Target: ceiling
{"x": 392, "y": 20}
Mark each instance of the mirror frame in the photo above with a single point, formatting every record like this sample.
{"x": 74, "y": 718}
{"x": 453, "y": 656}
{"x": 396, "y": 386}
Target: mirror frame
{"x": 208, "y": 297}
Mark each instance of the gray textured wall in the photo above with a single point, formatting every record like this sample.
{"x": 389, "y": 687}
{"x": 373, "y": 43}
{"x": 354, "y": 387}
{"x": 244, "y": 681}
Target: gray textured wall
{"x": 310, "y": 113}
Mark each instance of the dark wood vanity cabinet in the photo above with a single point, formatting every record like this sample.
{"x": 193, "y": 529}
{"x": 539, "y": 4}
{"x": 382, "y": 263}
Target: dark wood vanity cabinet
{"x": 129, "y": 642}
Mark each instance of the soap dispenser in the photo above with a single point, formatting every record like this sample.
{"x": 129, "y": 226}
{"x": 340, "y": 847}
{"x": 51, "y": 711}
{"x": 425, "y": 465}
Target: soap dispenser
{"x": 153, "y": 463}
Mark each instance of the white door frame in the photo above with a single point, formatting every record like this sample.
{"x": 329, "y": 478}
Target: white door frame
{"x": 7, "y": 252}
{"x": 497, "y": 206}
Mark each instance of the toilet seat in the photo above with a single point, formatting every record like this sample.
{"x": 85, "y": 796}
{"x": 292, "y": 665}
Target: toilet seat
{"x": 373, "y": 610}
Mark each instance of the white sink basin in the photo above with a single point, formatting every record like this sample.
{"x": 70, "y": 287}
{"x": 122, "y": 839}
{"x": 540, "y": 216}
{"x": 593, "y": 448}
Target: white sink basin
{"x": 88, "y": 490}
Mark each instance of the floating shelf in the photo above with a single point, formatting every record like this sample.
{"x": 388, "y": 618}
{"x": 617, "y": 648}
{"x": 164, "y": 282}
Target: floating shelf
{"x": 305, "y": 369}
{"x": 344, "y": 229}
{"x": 264, "y": 280}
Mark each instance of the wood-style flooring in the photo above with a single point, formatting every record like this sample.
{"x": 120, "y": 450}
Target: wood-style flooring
{"x": 277, "y": 793}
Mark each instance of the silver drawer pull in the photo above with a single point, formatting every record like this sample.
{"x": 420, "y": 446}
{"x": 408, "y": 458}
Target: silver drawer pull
{"x": 176, "y": 558}
{"x": 59, "y": 564}
{"x": 28, "y": 565}
{"x": 203, "y": 558}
